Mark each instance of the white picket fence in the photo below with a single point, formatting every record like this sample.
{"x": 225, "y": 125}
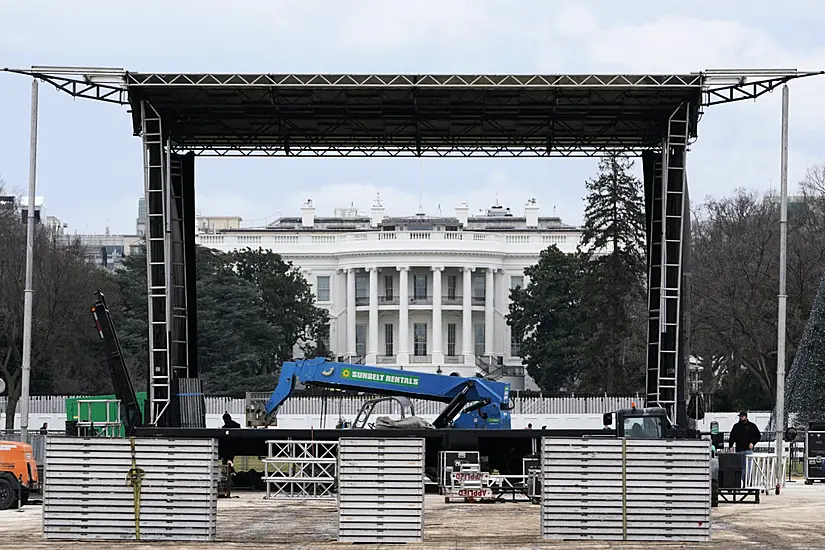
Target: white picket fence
{"x": 349, "y": 405}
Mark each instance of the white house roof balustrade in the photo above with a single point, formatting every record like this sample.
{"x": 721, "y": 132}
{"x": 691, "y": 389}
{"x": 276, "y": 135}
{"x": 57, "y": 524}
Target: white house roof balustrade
{"x": 408, "y": 242}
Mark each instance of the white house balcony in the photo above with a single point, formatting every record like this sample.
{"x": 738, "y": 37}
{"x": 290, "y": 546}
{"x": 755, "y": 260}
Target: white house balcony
{"x": 451, "y": 302}
{"x": 421, "y": 300}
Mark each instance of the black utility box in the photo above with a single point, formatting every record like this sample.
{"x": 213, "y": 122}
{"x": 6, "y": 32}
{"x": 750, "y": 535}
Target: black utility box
{"x": 815, "y": 454}
{"x": 731, "y": 466}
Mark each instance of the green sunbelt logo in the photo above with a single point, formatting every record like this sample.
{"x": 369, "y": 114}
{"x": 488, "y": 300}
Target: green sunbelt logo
{"x": 394, "y": 379}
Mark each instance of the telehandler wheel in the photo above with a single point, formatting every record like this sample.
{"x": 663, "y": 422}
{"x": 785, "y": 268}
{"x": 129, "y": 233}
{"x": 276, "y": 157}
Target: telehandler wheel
{"x": 8, "y": 494}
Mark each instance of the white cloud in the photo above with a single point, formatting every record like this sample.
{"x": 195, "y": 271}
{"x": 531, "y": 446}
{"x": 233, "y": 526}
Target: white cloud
{"x": 677, "y": 43}
{"x": 379, "y": 25}
{"x": 573, "y": 21}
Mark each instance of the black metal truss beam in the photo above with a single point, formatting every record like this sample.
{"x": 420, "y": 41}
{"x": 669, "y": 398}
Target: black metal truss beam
{"x": 113, "y": 86}
{"x": 479, "y": 149}
{"x": 410, "y": 80}
{"x": 745, "y": 89}
{"x": 105, "y": 85}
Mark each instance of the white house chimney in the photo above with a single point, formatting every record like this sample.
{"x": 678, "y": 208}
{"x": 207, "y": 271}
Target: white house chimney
{"x": 531, "y": 212}
{"x": 308, "y": 214}
{"x": 462, "y": 212}
{"x": 377, "y": 212}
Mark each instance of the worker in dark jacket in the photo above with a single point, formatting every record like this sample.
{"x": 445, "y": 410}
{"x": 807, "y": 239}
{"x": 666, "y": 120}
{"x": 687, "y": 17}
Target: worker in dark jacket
{"x": 744, "y": 435}
{"x": 228, "y": 423}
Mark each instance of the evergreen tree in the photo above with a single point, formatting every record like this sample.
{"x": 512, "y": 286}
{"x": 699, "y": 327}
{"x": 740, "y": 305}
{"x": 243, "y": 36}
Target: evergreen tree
{"x": 546, "y": 313}
{"x": 253, "y": 309}
{"x": 805, "y": 388}
{"x": 613, "y": 245}
{"x": 288, "y": 302}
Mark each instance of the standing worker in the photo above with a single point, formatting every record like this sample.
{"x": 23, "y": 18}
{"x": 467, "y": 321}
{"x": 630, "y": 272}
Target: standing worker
{"x": 744, "y": 436}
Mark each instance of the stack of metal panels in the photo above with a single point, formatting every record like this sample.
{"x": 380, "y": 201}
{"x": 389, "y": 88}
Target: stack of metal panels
{"x": 612, "y": 489}
{"x": 87, "y": 495}
{"x": 380, "y": 490}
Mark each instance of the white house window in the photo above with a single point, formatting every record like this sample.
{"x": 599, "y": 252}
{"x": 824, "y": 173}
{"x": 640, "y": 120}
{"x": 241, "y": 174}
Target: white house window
{"x": 420, "y": 287}
{"x": 362, "y": 290}
{"x": 478, "y": 285}
{"x": 388, "y": 340}
{"x": 322, "y": 288}
{"x": 515, "y": 344}
{"x": 451, "y": 331}
{"x": 479, "y": 339}
{"x": 516, "y": 281}
{"x": 452, "y": 286}
{"x": 420, "y": 339}
{"x": 360, "y": 340}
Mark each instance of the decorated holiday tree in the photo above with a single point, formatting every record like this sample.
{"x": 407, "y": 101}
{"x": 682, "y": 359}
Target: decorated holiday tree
{"x": 805, "y": 385}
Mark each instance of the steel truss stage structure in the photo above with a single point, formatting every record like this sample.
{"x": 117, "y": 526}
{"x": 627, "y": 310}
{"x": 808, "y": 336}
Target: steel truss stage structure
{"x": 180, "y": 116}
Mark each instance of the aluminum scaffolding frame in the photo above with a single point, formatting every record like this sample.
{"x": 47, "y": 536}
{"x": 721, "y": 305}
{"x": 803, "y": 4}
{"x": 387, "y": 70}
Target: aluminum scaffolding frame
{"x": 668, "y": 214}
{"x": 157, "y": 270}
{"x": 296, "y": 469}
{"x": 587, "y": 115}
{"x": 169, "y": 278}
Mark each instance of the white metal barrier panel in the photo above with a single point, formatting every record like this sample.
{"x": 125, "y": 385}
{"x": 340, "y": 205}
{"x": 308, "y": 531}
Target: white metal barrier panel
{"x": 380, "y": 490}
{"x": 760, "y": 471}
{"x": 128, "y": 489}
{"x": 300, "y": 469}
{"x": 636, "y": 490}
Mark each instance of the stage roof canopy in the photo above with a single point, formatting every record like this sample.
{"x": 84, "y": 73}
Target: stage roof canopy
{"x": 413, "y": 115}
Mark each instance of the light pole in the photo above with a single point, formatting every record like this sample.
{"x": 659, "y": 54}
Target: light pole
{"x": 783, "y": 298}
{"x": 28, "y": 293}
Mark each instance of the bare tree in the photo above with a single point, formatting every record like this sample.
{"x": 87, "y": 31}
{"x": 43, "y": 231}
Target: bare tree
{"x": 813, "y": 184}
{"x": 735, "y": 285}
{"x": 64, "y": 351}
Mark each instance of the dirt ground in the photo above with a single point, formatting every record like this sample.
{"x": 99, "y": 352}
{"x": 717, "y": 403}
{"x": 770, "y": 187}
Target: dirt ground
{"x": 792, "y": 520}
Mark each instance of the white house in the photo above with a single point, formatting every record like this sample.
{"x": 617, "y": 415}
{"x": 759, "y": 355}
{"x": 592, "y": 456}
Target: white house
{"x": 420, "y": 292}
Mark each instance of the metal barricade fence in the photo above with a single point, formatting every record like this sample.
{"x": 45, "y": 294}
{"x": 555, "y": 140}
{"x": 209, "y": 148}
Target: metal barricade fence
{"x": 348, "y": 404}
{"x": 760, "y": 471}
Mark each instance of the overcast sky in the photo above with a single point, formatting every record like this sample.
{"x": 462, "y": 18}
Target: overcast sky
{"x": 90, "y": 167}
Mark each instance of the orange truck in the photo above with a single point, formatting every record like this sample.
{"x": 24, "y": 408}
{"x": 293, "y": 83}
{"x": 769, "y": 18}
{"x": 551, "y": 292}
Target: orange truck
{"x": 16, "y": 463}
